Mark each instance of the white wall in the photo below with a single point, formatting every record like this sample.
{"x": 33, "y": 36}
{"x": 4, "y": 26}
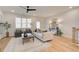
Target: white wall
{"x": 47, "y": 21}
{"x": 11, "y": 20}
{"x": 2, "y": 29}
{"x": 42, "y": 22}
{"x": 69, "y": 19}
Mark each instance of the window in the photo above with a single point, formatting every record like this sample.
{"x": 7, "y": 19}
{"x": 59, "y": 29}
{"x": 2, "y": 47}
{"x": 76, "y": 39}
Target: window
{"x": 29, "y": 20}
{"x": 38, "y": 24}
{"x": 29, "y": 23}
{"x": 23, "y": 22}
{"x": 18, "y": 22}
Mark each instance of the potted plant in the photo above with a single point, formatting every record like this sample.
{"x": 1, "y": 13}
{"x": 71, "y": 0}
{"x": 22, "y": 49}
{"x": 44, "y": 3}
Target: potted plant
{"x": 7, "y": 26}
{"x": 58, "y": 32}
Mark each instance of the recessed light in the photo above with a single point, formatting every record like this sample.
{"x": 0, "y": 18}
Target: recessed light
{"x": 70, "y": 7}
{"x": 12, "y": 10}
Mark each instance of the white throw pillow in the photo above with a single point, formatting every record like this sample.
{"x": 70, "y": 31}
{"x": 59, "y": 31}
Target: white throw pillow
{"x": 29, "y": 34}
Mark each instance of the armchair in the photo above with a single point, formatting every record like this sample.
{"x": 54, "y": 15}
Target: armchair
{"x": 27, "y": 35}
{"x": 18, "y": 33}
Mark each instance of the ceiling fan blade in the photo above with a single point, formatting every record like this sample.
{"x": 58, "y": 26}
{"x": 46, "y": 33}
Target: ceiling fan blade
{"x": 28, "y": 9}
{"x": 31, "y": 9}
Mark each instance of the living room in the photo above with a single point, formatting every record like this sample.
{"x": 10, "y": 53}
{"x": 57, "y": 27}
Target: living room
{"x": 50, "y": 21}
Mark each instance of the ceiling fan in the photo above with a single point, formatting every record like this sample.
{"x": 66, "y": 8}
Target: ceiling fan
{"x": 28, "y": 9}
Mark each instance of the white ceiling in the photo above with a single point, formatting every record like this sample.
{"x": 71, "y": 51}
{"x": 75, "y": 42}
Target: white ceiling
{"x": 42, "y": 11}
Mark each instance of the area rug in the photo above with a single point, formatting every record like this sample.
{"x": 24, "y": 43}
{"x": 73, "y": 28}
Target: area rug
{"x": 16, "y": 45}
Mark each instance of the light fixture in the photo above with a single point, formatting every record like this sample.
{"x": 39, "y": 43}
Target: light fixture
{"x": 12, "y": 10}
{"x": 50, "y": 22}
{"x": 59, "y": 21}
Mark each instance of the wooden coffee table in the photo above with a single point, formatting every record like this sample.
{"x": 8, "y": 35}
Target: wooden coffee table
{"x": 25, "y": 39}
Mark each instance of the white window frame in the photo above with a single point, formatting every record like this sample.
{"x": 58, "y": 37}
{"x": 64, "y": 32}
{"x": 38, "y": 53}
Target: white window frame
{"x": 38, "y": 24}
{"x": 23, "y": 23}
{"x": 18, "y": 23}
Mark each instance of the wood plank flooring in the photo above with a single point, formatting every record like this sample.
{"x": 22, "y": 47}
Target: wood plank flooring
{"x": 59, "y": 44}
{"x": 3, "y": 43}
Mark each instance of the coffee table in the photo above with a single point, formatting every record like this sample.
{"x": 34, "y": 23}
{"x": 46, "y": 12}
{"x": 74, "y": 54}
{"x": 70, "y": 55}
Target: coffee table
{"x": 25, "y": 39}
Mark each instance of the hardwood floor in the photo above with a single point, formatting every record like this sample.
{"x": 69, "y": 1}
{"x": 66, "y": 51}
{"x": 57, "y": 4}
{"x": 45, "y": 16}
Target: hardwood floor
{"x": 59, "y": 44}
{"x": 3, "y": 43}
